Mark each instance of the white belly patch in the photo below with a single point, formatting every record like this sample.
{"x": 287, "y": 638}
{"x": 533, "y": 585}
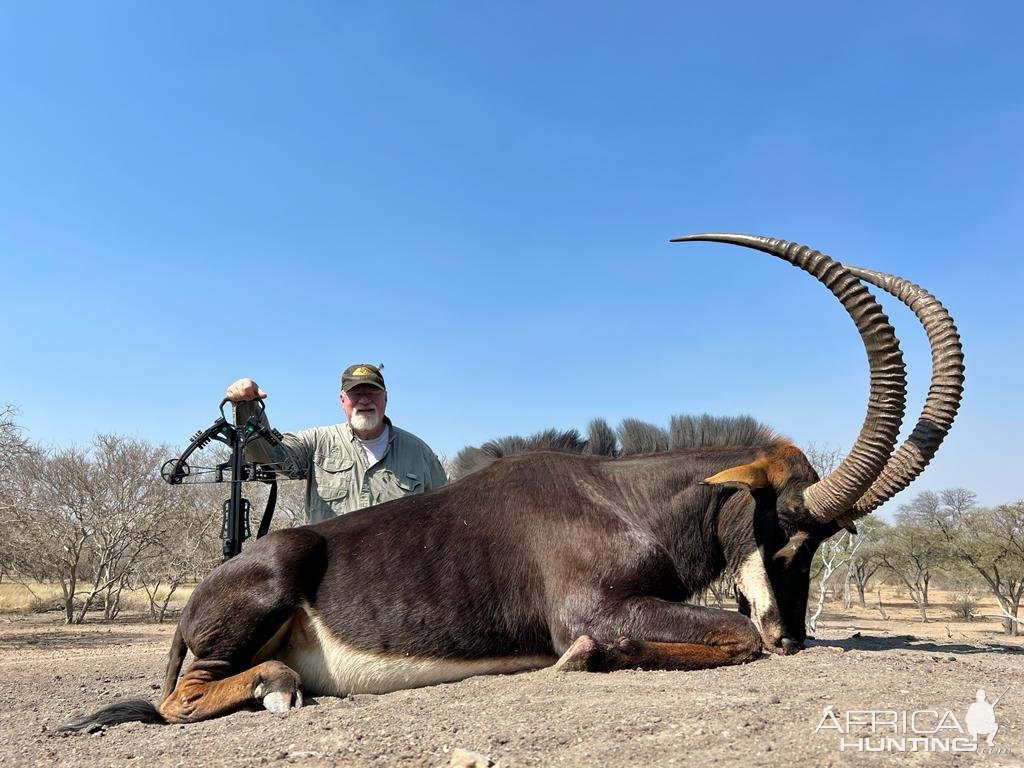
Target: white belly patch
{"x": 328, "y": 666}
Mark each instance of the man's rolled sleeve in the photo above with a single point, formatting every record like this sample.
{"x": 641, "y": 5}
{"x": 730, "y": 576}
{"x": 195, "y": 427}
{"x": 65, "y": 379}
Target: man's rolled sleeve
{"x": 291, "y": 456}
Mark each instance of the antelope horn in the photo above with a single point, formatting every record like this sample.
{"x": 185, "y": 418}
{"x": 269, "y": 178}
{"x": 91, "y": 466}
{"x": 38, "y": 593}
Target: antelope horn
{"x": 834, "y": 495}
{"x": 944, "y": 394}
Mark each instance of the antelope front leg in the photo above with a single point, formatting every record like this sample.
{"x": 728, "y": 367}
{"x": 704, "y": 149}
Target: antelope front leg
{"x": 651, "y": 633}
{"x": 202, "y": 694}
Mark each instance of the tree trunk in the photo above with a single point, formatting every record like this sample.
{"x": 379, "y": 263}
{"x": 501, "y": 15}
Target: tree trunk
{"x": 151, "y": 591}
{"x": 1012, "y": 626}
{"x": 847, "y": 593}
{"x": 881, "y": 609}
{"x": 69, "y": 599}
{"x": 166, "y": 602}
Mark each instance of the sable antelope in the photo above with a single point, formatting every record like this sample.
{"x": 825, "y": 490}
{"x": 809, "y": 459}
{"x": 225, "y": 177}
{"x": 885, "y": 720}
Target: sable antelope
{"x": 579, "y": 557}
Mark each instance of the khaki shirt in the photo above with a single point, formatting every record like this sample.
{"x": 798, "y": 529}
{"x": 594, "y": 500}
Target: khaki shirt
{"x": 338, "y": 478}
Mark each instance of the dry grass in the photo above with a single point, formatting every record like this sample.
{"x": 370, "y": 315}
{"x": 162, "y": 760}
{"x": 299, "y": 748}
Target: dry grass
{"x": 902, "y": 614}
{"x": 17, "y": 598}
{"x": 36, "y": 596}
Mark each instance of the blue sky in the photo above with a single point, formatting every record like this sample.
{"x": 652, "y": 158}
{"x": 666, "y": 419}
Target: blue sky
{"x": 481, "y": 197}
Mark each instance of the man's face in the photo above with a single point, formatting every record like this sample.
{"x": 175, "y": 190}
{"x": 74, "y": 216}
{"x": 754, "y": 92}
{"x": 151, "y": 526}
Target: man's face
{"x": 364, "y": 406}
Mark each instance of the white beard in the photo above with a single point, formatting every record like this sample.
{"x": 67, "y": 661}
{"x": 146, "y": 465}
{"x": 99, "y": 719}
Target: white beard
{"x": 365, "y": 421}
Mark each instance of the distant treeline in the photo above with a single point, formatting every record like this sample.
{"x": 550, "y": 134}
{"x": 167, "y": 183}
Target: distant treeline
{"x": 100, "y": 520}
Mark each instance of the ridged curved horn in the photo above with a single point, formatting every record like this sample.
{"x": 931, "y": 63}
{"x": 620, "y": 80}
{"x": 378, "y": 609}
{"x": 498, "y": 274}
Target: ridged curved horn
{"x": 834, "y": 495}
{"x": 944, "y": 394}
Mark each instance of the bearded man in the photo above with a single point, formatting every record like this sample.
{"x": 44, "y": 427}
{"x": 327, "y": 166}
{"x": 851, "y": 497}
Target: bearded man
{"x": 365, "y": 461}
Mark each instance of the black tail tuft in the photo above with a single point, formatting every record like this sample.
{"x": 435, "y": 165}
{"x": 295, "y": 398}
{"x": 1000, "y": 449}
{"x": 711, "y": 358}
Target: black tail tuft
{"x": 125, "y": 711}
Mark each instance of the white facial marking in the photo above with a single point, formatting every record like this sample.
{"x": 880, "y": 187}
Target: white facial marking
{"x": 752, "y": 579}
{"x": 328, "y": 666}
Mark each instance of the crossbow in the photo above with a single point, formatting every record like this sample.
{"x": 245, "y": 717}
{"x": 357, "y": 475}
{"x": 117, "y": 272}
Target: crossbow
{"x": 236, "y": 470}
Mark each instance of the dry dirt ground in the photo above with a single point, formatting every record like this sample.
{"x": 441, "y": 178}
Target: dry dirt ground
{"x": 761, "y": 714}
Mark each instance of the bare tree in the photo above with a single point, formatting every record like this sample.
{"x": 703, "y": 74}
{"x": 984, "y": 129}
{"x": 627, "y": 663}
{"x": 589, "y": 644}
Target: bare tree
{"x": 958, "y": 501}
{"x": 832, "y": 555}
{"x": 186, "y": 546}
{"x": 123, "y": 518}
{"x": 12, "y": 444}
{"x": 13, "y": 450}
{"x": 865, "y": 563}
{"x": 878, "y": 606}
{"x": 824, "y": 458}
{"x": 49, "y": 528}
{"x": 923, "y": 509}
{"x": 100, "y": 521}
{"x": 448, "y": 465}
{"x": 83, "y": 519}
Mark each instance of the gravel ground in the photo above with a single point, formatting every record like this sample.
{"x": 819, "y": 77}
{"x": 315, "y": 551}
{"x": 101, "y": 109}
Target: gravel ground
{"x": 760, "y": 714}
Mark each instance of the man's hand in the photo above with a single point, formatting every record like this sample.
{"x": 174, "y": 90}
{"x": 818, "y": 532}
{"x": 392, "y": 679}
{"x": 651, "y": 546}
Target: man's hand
{"x": 244, "y": 390}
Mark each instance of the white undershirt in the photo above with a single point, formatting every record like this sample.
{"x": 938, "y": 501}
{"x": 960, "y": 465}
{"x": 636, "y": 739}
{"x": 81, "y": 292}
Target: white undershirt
{"x": 374, "y": 449}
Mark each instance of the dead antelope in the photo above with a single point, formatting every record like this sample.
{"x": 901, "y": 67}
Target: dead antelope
{"x": 580, "y": 557}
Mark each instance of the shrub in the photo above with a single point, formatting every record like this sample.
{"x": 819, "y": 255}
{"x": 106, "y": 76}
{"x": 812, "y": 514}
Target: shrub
{"x": 964, "y": 606}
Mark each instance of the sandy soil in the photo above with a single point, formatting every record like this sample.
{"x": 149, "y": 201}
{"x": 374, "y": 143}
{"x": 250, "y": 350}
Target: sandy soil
{"x": 760, "y": 714}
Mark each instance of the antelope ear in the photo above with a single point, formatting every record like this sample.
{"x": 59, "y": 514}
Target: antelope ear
{"x": 751, "y": 476}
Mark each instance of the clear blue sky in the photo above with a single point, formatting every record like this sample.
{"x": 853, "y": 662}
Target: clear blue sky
{"x": 481, "y": 196}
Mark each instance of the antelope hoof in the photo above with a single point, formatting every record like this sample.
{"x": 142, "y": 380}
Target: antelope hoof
{"x": 279, "y": 699}
{"x": 773, "y": 643}
{"x": 791, "y": 646}
{"x": 784, "y": 646}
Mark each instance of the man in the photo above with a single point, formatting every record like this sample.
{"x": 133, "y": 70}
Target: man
{"x": 365, "y": 461}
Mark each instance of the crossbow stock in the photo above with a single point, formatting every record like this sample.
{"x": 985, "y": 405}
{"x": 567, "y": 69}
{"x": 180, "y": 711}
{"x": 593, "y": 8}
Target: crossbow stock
{"x": 236, "y": 470}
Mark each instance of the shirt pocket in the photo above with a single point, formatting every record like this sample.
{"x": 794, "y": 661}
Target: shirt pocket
{"x": 389, "y": 485}
{"x": 333, "y": 477}
{"x": 410, "y": 482}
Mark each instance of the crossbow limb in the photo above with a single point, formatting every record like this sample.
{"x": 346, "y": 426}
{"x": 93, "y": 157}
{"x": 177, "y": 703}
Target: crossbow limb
{"x": 179, "y": 471}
